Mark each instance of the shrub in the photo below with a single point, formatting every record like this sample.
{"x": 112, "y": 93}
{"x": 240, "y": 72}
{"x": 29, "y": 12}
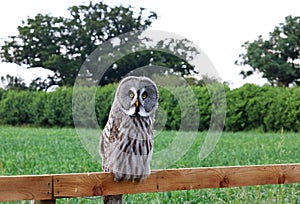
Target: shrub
{"x": 15, "y": 108}
{"x": 58, "y": 107}
{"x": 249, "y": 107}
{"x": 104, "y": 99}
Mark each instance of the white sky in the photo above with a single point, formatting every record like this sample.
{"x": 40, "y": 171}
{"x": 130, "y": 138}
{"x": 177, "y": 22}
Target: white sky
{"x": 219, "y": 28}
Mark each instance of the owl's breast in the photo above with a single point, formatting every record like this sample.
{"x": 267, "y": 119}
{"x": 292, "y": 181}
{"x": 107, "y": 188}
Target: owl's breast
{"x": 137, "y": 127}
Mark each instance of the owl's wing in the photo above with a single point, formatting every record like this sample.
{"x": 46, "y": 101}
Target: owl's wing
{"x": 108, "y": 137}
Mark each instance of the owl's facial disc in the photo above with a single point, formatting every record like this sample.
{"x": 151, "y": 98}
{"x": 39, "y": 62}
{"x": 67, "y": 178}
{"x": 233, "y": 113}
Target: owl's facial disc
{"x": 139, "y": 103}
{"x": 137, "y": 96}
{"x": 131, "y": 99}
{"x": 148, "y": 100}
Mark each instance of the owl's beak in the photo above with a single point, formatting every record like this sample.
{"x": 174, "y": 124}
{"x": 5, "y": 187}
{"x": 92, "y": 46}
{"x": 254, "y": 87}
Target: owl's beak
{"x": 137, "y": 103}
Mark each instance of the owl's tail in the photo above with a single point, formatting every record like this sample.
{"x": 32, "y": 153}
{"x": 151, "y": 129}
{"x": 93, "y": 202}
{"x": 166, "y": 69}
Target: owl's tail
{"x": 115, "y": 199}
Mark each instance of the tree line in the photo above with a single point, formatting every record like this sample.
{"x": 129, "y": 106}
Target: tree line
{"x": 249, "y": 107}
{"x": 62, "y": 44}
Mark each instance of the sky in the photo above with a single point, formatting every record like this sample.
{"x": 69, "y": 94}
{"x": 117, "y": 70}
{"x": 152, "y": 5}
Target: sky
{"x": 218, "y": 28}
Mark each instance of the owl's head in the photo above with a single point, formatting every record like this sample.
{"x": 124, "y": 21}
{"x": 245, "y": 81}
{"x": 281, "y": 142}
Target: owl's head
{"x": 137, "y": 96}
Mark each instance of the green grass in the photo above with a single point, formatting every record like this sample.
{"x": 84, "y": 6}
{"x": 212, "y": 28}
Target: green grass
{"x": 49, "y": 151}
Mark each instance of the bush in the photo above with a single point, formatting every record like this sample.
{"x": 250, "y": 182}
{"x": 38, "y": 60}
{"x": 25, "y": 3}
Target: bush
{"x": 58, "y": 107}
{"x": 266, "y": 108}
{"x": 2, "y": 93}
{"x": 204, "y": 105}
{"x": 37, "y": 109}
{"x": 282, "y": 109}
{"x": 104, "y": 99}
{"x": 249, "y": 107}
{"x": 15, "y": 108}
{"x": 243, "y": 108}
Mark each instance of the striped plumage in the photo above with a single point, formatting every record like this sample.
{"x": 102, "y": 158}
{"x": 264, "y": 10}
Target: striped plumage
{"x": 126, "y": 144}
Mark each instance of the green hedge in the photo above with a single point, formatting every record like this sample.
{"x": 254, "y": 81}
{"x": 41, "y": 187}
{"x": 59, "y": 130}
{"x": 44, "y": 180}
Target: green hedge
{"x": 266, "y": 108}
{"x": 249, "y": 107}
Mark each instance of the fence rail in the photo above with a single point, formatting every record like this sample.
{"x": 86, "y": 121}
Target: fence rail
{"x": 47, "y": 188}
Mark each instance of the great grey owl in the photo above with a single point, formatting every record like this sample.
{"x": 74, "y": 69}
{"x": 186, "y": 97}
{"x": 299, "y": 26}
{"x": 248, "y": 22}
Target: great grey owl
{"x": 126, "y": 143}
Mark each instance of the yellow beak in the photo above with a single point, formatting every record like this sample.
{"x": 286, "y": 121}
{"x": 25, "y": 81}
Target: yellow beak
{"x": 137, "y": 103}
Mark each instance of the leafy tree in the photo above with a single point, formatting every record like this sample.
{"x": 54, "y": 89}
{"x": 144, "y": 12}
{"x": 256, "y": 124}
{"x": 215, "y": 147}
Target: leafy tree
{"x": 40, "y": 84}
{"x": 13, "y": 82}
{"x": 278, "y": 57}
{"x": 62, "y": 44}
{"x": 157, "y": 55}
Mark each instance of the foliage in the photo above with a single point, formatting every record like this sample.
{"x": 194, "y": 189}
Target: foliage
{"x": 169, "y": 56}
{"x": 249, "y": 107}
{"x": 278, "y": 57}
{"x": 13, "y": 82}
{"x": 65, "y": 45}
{"x": 62, "y": 44}
{"x": 2, "y": 93}
{"x": 58, "y": 150}
{"x": 265, "y": 108}
{"x": 37, "y": 108}
{"x": 104, "y": 99}
{"x": 15, "y": 108}
{"x": 58, "y": 108}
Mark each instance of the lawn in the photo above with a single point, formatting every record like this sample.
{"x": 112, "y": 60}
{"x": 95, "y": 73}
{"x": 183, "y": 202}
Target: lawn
{"x": 56, "y": 150}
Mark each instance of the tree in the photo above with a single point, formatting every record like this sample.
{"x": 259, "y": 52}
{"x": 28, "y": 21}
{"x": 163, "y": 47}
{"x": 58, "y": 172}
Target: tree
{"x": 13, "y": 83}
{"x": 167, "y": 61}
{"x": 62, "y": 44}
{"x": 277, "y": 58}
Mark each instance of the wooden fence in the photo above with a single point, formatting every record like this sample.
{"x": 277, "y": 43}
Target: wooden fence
{"x": 47, "y": 188}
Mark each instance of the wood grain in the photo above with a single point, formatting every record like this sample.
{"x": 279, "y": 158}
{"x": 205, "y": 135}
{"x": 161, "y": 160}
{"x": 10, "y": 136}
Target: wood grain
{"x": 95, "y": 184}
{"x": 221, "y": 177}
{"x": 50, "y": 187}
{"x": 25, "y": 188}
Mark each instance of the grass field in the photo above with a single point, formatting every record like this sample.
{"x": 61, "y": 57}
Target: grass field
{"x": 47, "y": 151}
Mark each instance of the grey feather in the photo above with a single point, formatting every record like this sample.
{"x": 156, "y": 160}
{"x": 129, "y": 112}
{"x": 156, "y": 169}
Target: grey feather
{"x": 126, "y": 144}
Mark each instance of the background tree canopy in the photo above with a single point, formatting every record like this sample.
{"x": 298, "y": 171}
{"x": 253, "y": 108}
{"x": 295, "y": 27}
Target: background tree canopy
{"x": 63, "y": 44}
{"x": 278, "y": 58}
{"x": 13, "y": 82}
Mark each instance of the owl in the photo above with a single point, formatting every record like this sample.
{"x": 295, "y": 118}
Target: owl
{"x": 126, "y": 143}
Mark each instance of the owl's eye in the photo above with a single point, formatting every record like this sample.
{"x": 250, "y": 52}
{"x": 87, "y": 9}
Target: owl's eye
{"x": 144, "y": 95}
{"x": 131, "y": 94}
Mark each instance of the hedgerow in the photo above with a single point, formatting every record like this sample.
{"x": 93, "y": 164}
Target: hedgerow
{"x": 249, "y": 107}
